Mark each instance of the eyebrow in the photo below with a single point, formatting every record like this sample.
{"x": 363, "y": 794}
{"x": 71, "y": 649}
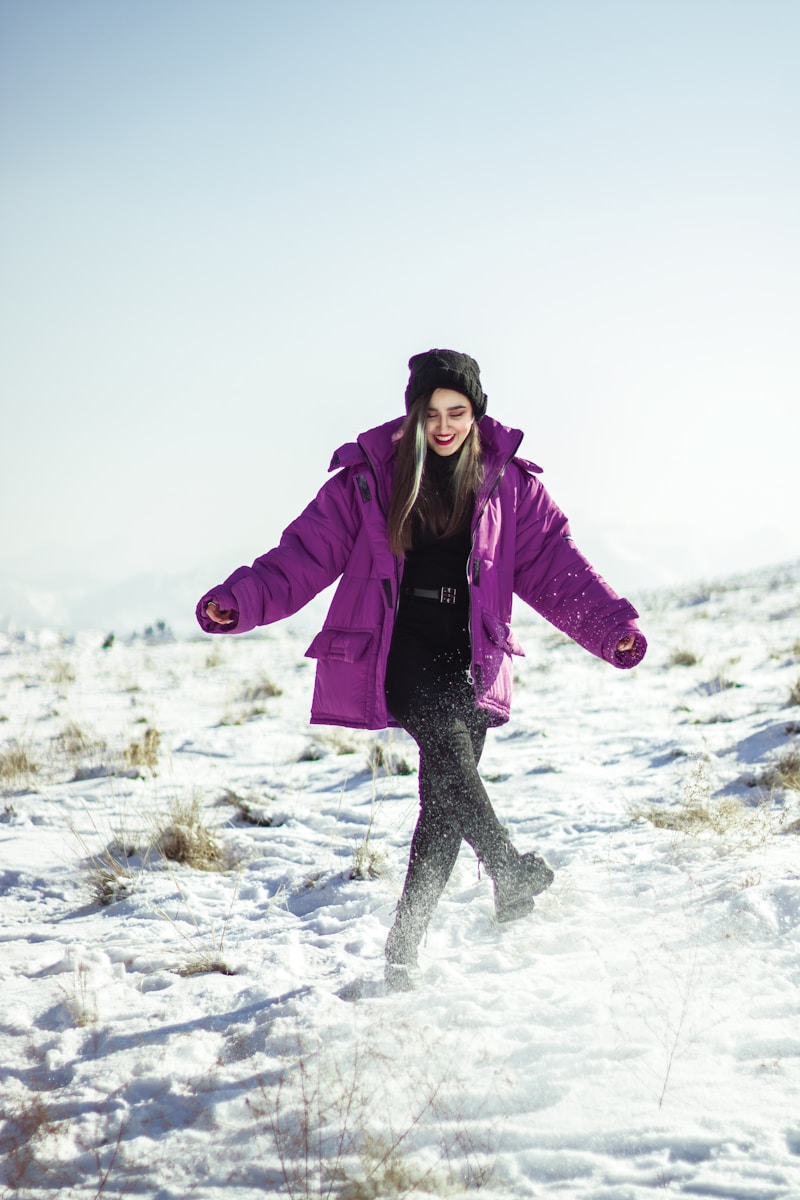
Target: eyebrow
{"x": 450, "y": 408}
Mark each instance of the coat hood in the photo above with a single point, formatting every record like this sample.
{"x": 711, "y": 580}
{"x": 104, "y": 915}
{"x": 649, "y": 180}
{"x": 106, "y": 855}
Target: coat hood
{"x": 377, "y": 445}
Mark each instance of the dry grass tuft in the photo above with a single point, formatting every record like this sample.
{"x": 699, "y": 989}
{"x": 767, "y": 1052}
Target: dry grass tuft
{"x": 693, "y": 816}
{"x": 334, "y": 1135}
{"x": 75, "y": 741}
{"x": 187, "y": 840}
{"x": 784, "y": 772}
{"x": 107, "y": 873}
{"x": 794, "y": 692}
{"x": 26, "y": 1125}
{"x": 16, "y": 767}
{"x": 263, "y": 689}
{"x": 109, "y": 880}
{"x": 368, "y": 863}
{"x": 81, "y": 1002}
{"x": 214, "y": 656}
{"x": 313, "y": 752}
{"x": 698, "y": 814}
{"x": 387, "y": 1175}
{"x": 381, "y": 758}
{"x": 204, "y": 964}
{"x": 62, "y": 671}
{"x": 143, "y": 753}
{"x": 251, "y": 702}
{"x": 683, "y": 658}
{"x": 736, "y": 826}
{"x": 250, "y": 812}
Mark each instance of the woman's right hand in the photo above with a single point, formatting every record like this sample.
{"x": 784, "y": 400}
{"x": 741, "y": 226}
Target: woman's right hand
{"x": 220, "y": 616}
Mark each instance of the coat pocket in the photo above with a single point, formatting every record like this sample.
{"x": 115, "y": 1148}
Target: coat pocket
{"x": 341, "y": 645}
{"x": 346, "y": 683}
{"x": 501, "y": 634}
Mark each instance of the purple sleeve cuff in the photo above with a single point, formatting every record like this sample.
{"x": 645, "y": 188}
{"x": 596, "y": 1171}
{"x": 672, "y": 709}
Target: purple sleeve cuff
{"x": 624, "y": 659}
{"x": 225, "y": 600}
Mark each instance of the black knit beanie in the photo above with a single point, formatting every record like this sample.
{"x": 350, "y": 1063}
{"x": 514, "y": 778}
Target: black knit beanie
{"x": 446, "y": 369}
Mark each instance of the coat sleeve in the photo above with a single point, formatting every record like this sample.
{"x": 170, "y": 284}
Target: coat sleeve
{"x": 312, "y": 553}
{"x": 557, "y": 581}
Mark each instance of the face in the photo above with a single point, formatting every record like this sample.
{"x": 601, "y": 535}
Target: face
{"x": 448, "y": 422}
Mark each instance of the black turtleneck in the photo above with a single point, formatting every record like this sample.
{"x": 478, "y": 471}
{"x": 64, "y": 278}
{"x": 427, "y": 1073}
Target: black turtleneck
{"x": 435, "y": 562}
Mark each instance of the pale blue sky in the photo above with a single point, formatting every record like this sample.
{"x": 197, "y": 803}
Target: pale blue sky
{"x": 226, "y": 227}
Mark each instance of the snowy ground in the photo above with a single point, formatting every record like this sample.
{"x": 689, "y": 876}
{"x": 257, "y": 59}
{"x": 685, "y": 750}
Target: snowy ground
{"x": 639, "y": 1033}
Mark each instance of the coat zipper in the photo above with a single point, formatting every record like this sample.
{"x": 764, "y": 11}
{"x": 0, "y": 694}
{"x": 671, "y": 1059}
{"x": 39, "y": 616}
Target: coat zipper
{"x": 471, "y": 563}
{"x": 378, "y": 481}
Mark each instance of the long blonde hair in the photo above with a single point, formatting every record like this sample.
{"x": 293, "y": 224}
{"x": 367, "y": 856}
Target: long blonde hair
{"x": 411, "y": 500}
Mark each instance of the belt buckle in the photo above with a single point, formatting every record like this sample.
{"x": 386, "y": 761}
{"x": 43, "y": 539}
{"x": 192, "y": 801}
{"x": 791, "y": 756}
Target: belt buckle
{"x": 448, "y": 595}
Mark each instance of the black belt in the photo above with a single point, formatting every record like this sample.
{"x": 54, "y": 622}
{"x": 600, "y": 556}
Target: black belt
{"x": 444, "y": 595}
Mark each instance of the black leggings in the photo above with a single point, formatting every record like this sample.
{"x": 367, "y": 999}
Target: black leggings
{"x": 429, "y": 693}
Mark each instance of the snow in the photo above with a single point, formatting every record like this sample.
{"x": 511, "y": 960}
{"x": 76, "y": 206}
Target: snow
{"x": 227, "y": 1031}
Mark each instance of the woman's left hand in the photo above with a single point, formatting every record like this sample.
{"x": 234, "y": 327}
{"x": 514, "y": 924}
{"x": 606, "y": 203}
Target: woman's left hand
{"x": 220, "y": 616}
{"x": 626, "y": 643}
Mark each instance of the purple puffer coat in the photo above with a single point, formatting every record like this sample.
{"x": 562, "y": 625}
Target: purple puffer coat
{"x": 521, "y": 544}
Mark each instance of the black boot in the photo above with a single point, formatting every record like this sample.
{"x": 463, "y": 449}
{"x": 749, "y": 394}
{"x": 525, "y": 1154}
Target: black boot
{"x": 516, "y": 883}
{"x": 434, "y": 850}
{"x": 401, "y": 970}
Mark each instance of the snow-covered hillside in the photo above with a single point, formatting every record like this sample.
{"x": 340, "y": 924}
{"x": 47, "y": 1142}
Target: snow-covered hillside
{"x": 223, "y": 1029}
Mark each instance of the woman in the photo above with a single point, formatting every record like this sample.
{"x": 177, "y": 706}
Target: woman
{"x": 433, "y": 524}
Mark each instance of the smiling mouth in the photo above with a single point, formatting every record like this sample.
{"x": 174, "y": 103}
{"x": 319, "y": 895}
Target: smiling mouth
{"x": 442, "y": 441}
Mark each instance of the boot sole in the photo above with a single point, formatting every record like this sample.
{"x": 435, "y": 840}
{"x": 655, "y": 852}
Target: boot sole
{"x": 401, "y": 978}
{"x": 541, "y": 875}
{"x": 539, "y": 880}
{"x": 512, "y": 912}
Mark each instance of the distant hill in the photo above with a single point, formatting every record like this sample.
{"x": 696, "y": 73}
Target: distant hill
{"x": 133, "y": 604}
{"x": 122, "y": 608}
